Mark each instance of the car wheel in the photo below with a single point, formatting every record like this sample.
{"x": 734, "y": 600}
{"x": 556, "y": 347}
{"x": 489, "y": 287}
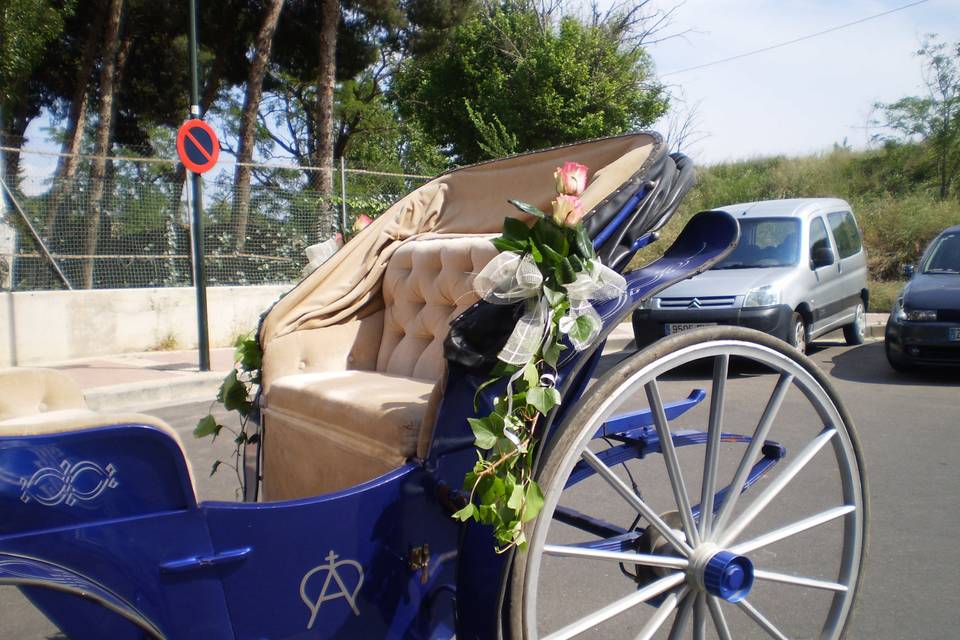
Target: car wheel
{"x": 855, "y": 332}
{"x": 798, "y": 333}
{"x": 895, "y": 362}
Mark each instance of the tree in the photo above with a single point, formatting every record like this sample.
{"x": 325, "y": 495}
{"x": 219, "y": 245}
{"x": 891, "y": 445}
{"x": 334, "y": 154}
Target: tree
{"x": 248, "y": 119}
{"x": 933, "y": 119}
{"x": 105, "y": 114}
{"x": 512, "y": 79}
{"x": 27, "y": 28}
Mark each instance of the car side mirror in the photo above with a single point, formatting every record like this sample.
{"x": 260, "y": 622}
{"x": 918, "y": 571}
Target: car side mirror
{"x": 821, "y": 257}
{"x": 908, "y": 271}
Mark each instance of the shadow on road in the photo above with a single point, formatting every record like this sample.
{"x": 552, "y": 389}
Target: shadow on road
{"x": 868, "y": 363}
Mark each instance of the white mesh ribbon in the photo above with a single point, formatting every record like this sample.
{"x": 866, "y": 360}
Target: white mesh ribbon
{"x": 510, "y": 277}
{"x": 596, "y": 283}
{"x": 507, "y": 278}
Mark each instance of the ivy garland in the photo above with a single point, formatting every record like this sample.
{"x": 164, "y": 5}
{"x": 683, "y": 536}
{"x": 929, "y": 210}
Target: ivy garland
{"x": 502, "y": 491}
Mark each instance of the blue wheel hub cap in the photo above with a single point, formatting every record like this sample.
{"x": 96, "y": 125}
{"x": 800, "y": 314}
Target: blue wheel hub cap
{"x": 728, "y": 576}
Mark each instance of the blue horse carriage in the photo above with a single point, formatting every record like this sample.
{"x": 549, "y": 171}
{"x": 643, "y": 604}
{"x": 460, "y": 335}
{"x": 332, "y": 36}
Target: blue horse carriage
{"x": 748, "y": 520}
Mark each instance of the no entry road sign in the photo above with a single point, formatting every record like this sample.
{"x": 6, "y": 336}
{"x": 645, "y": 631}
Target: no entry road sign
{"x": 197, "y": 146}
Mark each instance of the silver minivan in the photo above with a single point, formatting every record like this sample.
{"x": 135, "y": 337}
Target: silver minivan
{"x": 798, "y": 272}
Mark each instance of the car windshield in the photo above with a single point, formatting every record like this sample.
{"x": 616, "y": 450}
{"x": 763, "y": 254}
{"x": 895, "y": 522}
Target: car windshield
{"x": 944, "y": 255}
{"x": 765, "y": 242}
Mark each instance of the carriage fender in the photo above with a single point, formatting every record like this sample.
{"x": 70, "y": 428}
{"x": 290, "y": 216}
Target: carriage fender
{"x": 31, "y": 573}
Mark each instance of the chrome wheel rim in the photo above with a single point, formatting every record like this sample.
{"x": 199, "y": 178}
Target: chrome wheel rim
{"x": 679, "y": 587}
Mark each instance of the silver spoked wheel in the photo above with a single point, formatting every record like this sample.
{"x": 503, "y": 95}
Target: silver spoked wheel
{"x": 622, "y": 547}
{"x": 855, "y": 333}
{"x": 799, "y": 333}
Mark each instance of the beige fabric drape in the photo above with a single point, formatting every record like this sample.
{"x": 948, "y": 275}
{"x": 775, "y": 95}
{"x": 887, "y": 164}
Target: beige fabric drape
{"x": 470, "y": 200}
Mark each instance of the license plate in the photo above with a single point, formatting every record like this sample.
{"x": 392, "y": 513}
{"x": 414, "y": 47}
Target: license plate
{"x": 953, "y": 334}
{"x": 678, "y": 327}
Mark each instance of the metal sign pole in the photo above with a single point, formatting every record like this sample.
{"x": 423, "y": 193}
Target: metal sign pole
{"x": 196, "y": 238}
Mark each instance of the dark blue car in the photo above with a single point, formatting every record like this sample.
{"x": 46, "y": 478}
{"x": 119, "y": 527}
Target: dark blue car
{"x": 924, "y": 324}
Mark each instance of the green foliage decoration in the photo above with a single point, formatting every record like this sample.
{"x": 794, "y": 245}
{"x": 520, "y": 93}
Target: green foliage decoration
{"x": 501, "y": 487}
{"x": 238, "y": 393}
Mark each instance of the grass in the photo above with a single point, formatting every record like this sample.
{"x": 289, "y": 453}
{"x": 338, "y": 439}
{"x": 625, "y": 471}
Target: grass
{"x": 167, "y": 343}
{"x": 892, "y": 192}
{"x": 883, "y": 294}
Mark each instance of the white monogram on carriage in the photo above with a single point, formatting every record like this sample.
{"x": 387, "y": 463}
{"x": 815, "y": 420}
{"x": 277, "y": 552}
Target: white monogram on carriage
{"x": 331, "y": 569}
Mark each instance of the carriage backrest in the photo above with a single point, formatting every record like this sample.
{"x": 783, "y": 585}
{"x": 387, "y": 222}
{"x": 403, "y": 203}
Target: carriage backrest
{"x": 427, "y": 284}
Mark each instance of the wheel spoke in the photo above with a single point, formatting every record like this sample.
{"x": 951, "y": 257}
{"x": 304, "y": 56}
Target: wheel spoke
{"x": 682, "y": 618}
{"x": 700, "y": 617}
{"x": 792, "y": 529}
{"x": 648, "y": 560}
{"x": 614, "y": 608}
{"x": 761, "y": 621}
{"x": 753, "y": 449}
{"x": 726, "y": 536}
{"x": 627, "y": 494}
{"x": 719, "y": 620}
{"x": 799, "y": 581}
{"x": 663, "y": 612}
{"x": 669, "y": 452}
{"x": 714, "y": 427}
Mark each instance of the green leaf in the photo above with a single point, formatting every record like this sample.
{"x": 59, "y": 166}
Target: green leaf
{"x": 583, "y": 328}
{"x": 233, "y": 394}
{"x": 466, "y": 513}
{"x": 528, "y": 208}
{"x": 248, "y": 353}
{"x": 552, "y": 354}
{"x": 216, "y": 465}
{"x": 484, "y": 436}
{"x": 516, "y": 498}
{"x": 515, "y": 230}
{"x": 502, "y": 244}
{"x": 548, "y": 233}
{"x": 543, "y": 399}
{"x": 533, "y": 502}
{"x": 582, "y": 243}
{"x": 553, "y": 296}
{"x": 207, "y": 426}
{"x": 566, "y": 274}
{"x": 531, "y": 375}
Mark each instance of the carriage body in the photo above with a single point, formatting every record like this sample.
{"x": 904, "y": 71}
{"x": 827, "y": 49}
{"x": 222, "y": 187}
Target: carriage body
{"x": 102, "y": 531}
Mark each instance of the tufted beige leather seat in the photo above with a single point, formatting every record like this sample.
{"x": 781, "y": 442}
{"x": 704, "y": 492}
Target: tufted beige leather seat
{"x": 46, "y": 401}
{"x": 337, "y": 421}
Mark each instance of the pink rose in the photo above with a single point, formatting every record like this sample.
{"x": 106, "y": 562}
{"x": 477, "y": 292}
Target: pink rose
{"x": 567, "y": 210}
{"x": 363, "y": 221}
{"x": 571, "y": 178}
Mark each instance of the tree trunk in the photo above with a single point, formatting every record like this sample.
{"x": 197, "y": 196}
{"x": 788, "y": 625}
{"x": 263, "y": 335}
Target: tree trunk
{"x": 66, "y": 171}
{"x": 248, "y": 121}
{"x": 323, "y": 116}
{"x": 108, "y": 66}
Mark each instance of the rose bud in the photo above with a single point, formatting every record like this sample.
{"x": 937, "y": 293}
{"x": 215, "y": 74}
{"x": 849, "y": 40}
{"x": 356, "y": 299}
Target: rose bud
{"x": 571, "y": 178}
{"x": 567, "y": 210}
{"x": 362, "y": 222}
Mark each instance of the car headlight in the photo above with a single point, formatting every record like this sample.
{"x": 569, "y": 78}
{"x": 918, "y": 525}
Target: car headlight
{"x": 762, "y": 296}
{"x": 898, "y": 311}
{"x": 921, "y": 315}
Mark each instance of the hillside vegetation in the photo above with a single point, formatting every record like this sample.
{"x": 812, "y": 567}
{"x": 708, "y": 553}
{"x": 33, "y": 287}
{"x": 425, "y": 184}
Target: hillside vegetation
{"x": 893, "y": 192}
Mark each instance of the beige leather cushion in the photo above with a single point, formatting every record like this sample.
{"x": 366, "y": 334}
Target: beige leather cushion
{"x": 37, "y": 402}
{"x": 26, "y": 392}
{"x": 330, "y": 430}
{"x": 428, "y": 283}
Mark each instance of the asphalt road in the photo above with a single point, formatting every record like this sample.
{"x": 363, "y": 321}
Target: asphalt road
{"x": 909, "y": 426}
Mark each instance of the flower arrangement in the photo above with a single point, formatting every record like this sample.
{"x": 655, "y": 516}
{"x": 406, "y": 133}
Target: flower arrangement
{"x": 552, "y": 269}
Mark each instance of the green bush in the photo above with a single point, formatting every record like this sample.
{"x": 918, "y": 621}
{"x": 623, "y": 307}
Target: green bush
{"x": 892, "y": 191}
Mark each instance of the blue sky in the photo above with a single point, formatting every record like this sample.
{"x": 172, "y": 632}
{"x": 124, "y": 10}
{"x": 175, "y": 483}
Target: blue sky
{"x": 796, "y": 100}
{"x": 804, "y": 97}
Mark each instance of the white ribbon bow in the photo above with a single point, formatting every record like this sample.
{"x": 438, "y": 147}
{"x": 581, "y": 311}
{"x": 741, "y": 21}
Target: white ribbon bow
{"x": 510, "y": 277}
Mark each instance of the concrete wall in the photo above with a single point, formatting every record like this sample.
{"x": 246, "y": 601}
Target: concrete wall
{"x": 38, "y": 327}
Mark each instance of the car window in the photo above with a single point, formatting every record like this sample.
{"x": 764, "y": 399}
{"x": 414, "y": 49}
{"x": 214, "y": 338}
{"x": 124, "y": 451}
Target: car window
{"x": 765, "y": 242}
{"x": 845, "y": 233}
{"x": 818, "y": 236}
{"x": 943, "y": 255}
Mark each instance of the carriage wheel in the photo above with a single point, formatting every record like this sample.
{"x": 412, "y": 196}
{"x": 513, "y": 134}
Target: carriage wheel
{"x": 622, "y": 548}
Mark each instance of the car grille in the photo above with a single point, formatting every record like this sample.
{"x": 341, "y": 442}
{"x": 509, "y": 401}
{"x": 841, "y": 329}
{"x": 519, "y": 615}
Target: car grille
{"x": 704, "y": 302}
{"x": 948, "y": 315}
{"x": 947, "y": 354}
